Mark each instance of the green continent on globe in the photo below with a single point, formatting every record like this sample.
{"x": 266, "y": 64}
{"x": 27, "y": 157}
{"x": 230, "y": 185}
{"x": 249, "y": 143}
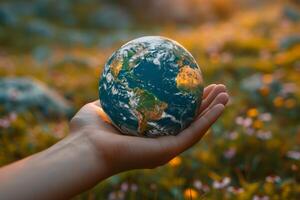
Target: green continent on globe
{"x": 151, "y": 87}
{"x": 147, "y": 107}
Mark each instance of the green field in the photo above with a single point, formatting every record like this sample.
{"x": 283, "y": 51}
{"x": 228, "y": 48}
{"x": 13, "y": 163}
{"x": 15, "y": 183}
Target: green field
{"x": 252, "y": 152}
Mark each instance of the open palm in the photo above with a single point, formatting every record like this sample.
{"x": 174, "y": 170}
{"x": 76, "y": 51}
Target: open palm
{"x": 122, "y": 152}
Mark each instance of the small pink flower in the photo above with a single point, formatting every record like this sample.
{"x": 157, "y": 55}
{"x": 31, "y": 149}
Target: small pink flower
{"x": 121, "y": 195}
{"x": 134, "y": 187}
{"x": 197, "y": 184}
{"x": 12, "y": 116}
{"x": 239, "y": 120}
{"x": 289, "y": 88}
{"x": 273, "y": 179}
{"x": 230, "y": 153}
{"x": 265, "y": 117}
{"x": 293, "y": 155}
{"x": 14, "y": 94}
{"x": 249, "y": 131}
{"x": 4, "y": 123}
{"x": 124, "y": 186}
{"x": 232, "y": 135}
{"x": 247, "y": 122}
{"x": 222, "y": 183}
{"x": 256, "y": 197}
{"x": 235, "y": 190}
{"x": 264, "y": 135}
{"x": 112, "y": 196}
{"x": 205, "y": 188}
{"x": 117, "y": 195}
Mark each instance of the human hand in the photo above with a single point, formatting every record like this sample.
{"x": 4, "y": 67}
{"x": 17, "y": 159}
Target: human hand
{"x": 122, "y": 152}
{"x": 95, "y": 150}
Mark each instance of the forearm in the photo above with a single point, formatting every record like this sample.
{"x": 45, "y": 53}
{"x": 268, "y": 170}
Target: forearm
{"x": 60, "y": 172}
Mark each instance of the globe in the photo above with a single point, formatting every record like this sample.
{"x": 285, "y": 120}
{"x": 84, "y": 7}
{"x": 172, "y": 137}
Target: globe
{"x": 151, "y": 86}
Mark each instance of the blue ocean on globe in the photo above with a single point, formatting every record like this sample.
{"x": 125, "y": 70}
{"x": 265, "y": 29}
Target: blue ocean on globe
{"x": 151, "y": 86}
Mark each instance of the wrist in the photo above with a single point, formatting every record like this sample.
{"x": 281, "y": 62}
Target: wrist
{"x": 105, "y": 148}
{"x": 81, "y": 144}
{"x": 75, "y": 164}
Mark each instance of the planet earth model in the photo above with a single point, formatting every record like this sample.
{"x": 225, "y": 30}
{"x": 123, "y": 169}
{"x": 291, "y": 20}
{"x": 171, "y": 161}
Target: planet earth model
{"x": 151, "y": 86}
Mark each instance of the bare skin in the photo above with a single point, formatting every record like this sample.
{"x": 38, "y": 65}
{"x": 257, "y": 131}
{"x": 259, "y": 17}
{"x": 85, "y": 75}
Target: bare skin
{"x": 94, "y": 150}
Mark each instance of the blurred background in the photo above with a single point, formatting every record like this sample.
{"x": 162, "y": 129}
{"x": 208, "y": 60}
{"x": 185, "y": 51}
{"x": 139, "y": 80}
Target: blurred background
{"x": 52, "y": 54}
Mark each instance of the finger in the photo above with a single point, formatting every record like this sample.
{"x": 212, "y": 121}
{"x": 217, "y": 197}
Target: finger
{"x": 211, "y": 96}
{"x": 206, "y": 92}
{"x": 222, "y": 98}
{"x": 208, "y": 89}
{"x": 159, "y": 151}
{"x": 102, "y": 114}
{"x": 194, "y": 132}
{"x": 94, "y": 114}
{"x": 97, "y": 102}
